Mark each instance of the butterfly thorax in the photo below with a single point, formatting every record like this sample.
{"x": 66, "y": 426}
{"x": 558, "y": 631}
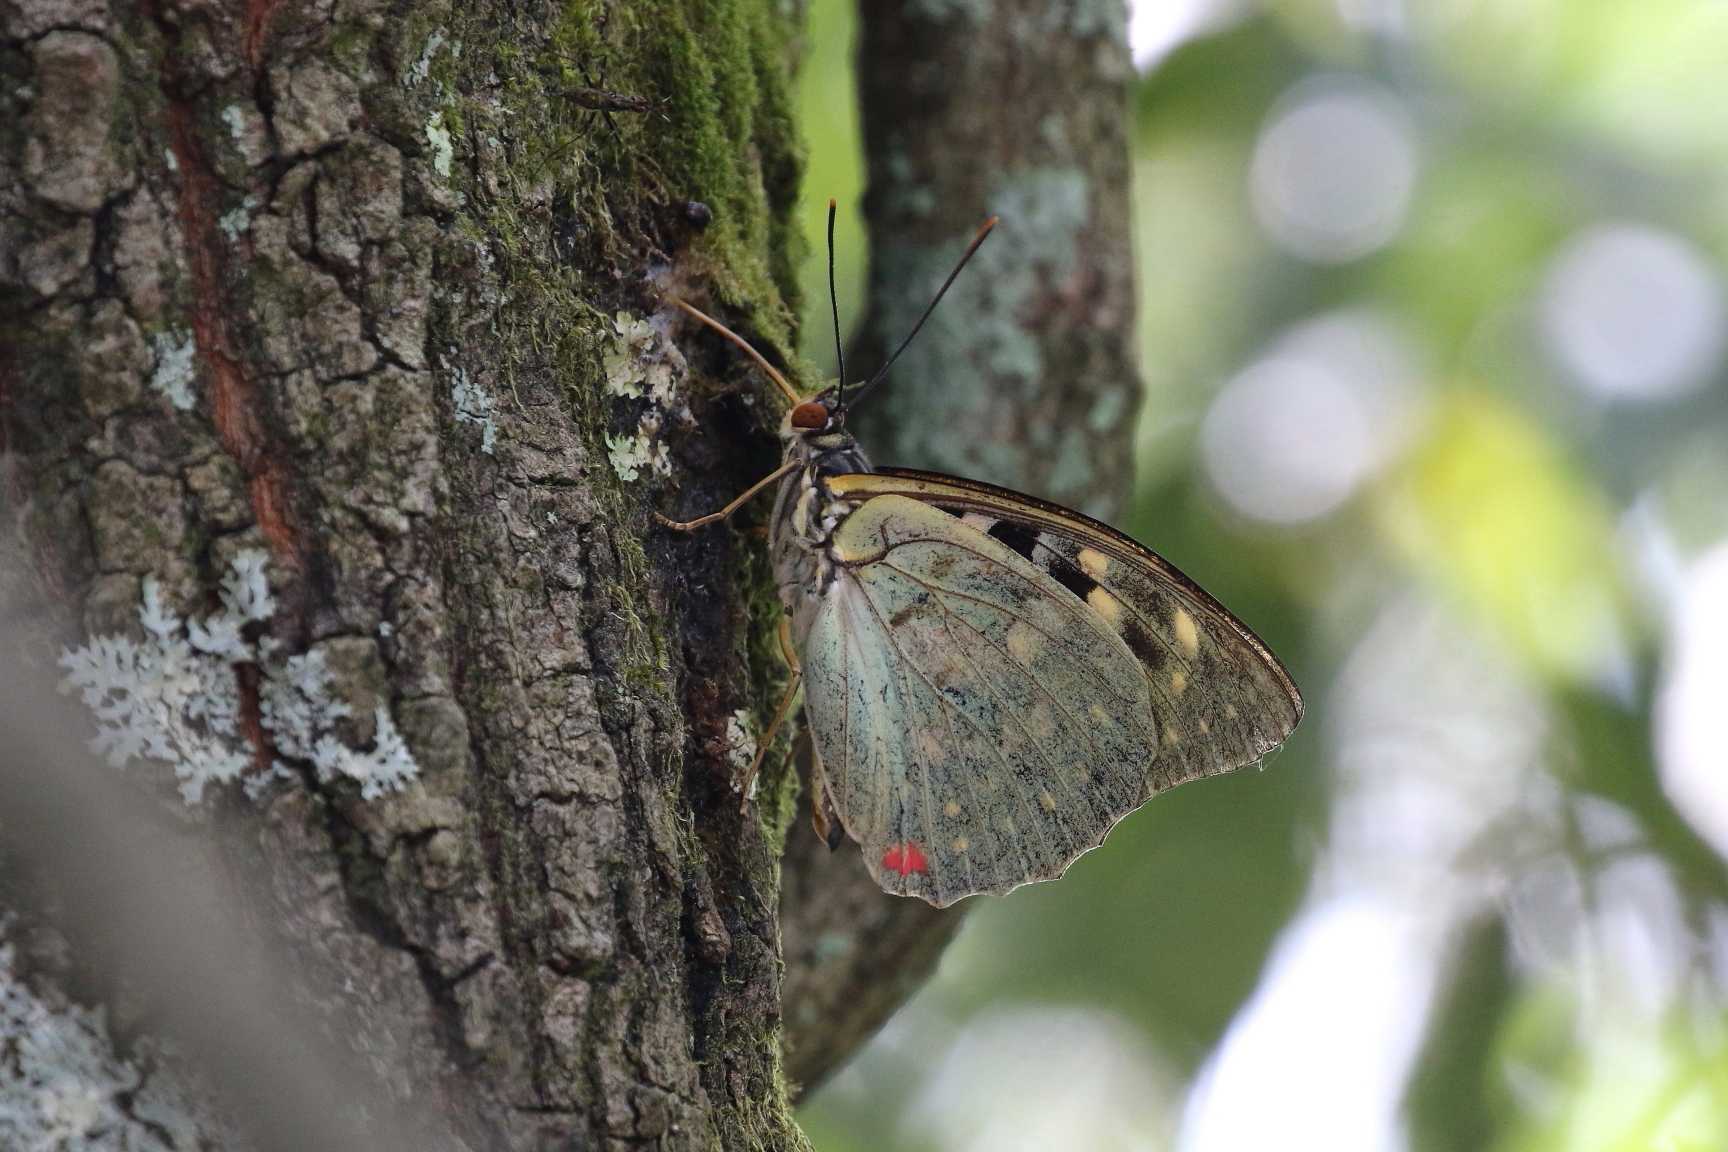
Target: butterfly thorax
{"x": 806, "y": 514}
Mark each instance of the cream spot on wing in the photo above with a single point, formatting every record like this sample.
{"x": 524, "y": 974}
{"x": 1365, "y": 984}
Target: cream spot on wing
{"x": 1172, "y": 736}
{"x": 1024, "y": 641}
{"x": 961, "y": 844}
{"x": 1098, "y": 714}
{"x": 1178, "y": 682}
{"x": 1105, "y": 605}
{"x": 950, "y": 809}
{"x": 979, "y": 521}
{"x": 930, "y": 746}
{"x": 1187, "y": 635}
{"x": 1046, "y": 801}
{"x": 1229, "y": 711}
{"x": 1205, "y": 726}
{"x": 1094, "y": 564}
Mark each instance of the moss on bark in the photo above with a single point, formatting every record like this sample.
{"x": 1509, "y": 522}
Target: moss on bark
{"x": 395, "y": 245}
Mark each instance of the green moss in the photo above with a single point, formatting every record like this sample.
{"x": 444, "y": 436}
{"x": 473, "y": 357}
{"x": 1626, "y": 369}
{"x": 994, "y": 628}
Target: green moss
{"x": 718, "y": 81}
{"x": 763, "y": 1127}
{"x": 551, "y": 202}
{"x": 777, "y": 795}
{"x": 350, "y": 46}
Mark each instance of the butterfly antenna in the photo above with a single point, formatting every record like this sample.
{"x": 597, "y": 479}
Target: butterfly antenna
{"x": 983, "y": 231}
{"x": 834, "y": 307}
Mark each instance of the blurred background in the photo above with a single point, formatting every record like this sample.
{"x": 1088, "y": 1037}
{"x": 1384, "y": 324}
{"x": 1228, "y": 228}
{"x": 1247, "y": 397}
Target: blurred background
{"x": 1434, "y": 329}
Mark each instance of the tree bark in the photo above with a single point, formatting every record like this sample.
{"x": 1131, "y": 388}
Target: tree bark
{"x": 379, "y": 289}
{"x": 1026, "y": 375}
{"x": 340, "y": 282}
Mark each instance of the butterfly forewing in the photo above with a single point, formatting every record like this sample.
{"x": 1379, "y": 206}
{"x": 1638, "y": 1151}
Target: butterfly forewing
{"x": 979, "y": 727}
{"x": 1219, "y": 698}
{"x": 1222, "y": 701}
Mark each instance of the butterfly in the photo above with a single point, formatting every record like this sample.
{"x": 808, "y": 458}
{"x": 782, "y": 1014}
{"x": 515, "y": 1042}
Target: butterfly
{"x": 990, "y": 681}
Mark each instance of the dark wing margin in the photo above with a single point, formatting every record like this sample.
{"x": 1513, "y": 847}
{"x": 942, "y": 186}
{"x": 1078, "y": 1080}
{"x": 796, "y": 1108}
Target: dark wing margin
{"x": 1222, "y": 699}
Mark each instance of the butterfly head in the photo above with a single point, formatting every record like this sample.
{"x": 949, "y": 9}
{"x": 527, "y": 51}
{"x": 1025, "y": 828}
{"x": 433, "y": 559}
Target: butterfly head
{"x": 819, "y": 421}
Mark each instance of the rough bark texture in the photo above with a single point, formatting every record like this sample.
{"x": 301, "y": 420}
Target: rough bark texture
{"x": 1025, "y": 377}
{"x": 338, "y": 281}
{"x": 343, "y": 282}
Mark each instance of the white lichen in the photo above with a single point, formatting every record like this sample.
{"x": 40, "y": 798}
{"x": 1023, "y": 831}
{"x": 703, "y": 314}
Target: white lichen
{"x": 474, "y": 405}
{"x": 626, "y": 359}
{"x": 237, "y": 221}
{"x": 235, "y": 117}
{"x": 389, "y": 767}
{"x": 422, "y": 68}
{"x": 299, "y": 711}
{"x": 60, "y": 1082}
{"x": 642, "y": 363}
{"x": 175, "y": 697}
{"x": 635, "y": 454}
{"x": 174, "y": 372}
{"x": 741, "y": 744}
{"x": 438, "y": 136}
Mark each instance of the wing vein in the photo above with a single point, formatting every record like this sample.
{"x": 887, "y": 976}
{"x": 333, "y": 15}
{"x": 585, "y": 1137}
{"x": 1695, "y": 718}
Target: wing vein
{"x": 942, "y": 702}
{"x": 1056, "y": 769}
{"x": 943, "y": 590}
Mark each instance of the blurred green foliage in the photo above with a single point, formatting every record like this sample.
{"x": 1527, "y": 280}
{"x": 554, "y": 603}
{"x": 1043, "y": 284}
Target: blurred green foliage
{"x": 1534, "y": 493}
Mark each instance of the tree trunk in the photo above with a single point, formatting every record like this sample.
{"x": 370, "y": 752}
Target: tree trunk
{"x": 1026, "y": 376}
{"x": 341, "y": 284}
{"x": 380, "y": 292}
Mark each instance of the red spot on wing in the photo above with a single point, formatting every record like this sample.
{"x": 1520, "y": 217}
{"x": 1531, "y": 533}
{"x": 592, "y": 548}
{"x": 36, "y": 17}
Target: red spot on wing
{"x": 905, "y": 859}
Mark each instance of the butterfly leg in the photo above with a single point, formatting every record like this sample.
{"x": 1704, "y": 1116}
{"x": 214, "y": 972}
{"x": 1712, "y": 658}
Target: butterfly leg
{"x": 823, "y": 818}
{"x": 748, "y": 785}
{"x": 780, "y": 714}
{"x": 767, "y": 741}
{"x": 692, "y": 525}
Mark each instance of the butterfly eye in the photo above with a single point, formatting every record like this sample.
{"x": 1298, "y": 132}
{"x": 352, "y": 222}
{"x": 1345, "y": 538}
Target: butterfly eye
{"x": 810, "y": 415}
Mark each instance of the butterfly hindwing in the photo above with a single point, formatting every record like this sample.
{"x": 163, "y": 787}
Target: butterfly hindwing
{"x": 978, "y": 726}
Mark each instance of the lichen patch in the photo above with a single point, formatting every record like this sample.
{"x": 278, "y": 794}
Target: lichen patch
{"x": 175, "y": 697}
{"x": 175, "y": 373}
{"x": 438, "y": 137}
{"x": 474, "y": 405}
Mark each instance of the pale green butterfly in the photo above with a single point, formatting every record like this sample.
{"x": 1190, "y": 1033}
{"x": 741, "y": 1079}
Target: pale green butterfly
{"x": 991, "y": 681}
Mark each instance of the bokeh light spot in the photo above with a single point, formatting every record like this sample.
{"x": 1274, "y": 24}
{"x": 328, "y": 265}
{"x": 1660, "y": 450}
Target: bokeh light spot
{"x": 1334, "y": 170}
{"x": 1294, "y": 435}
{"x": 1633, "y": 313}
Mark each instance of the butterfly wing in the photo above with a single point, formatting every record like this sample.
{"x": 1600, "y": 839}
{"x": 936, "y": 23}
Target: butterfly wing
{"x": 1223, "y": 699}
{"x": 979, "y": 728}
{"x": 1216, "y": 697}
